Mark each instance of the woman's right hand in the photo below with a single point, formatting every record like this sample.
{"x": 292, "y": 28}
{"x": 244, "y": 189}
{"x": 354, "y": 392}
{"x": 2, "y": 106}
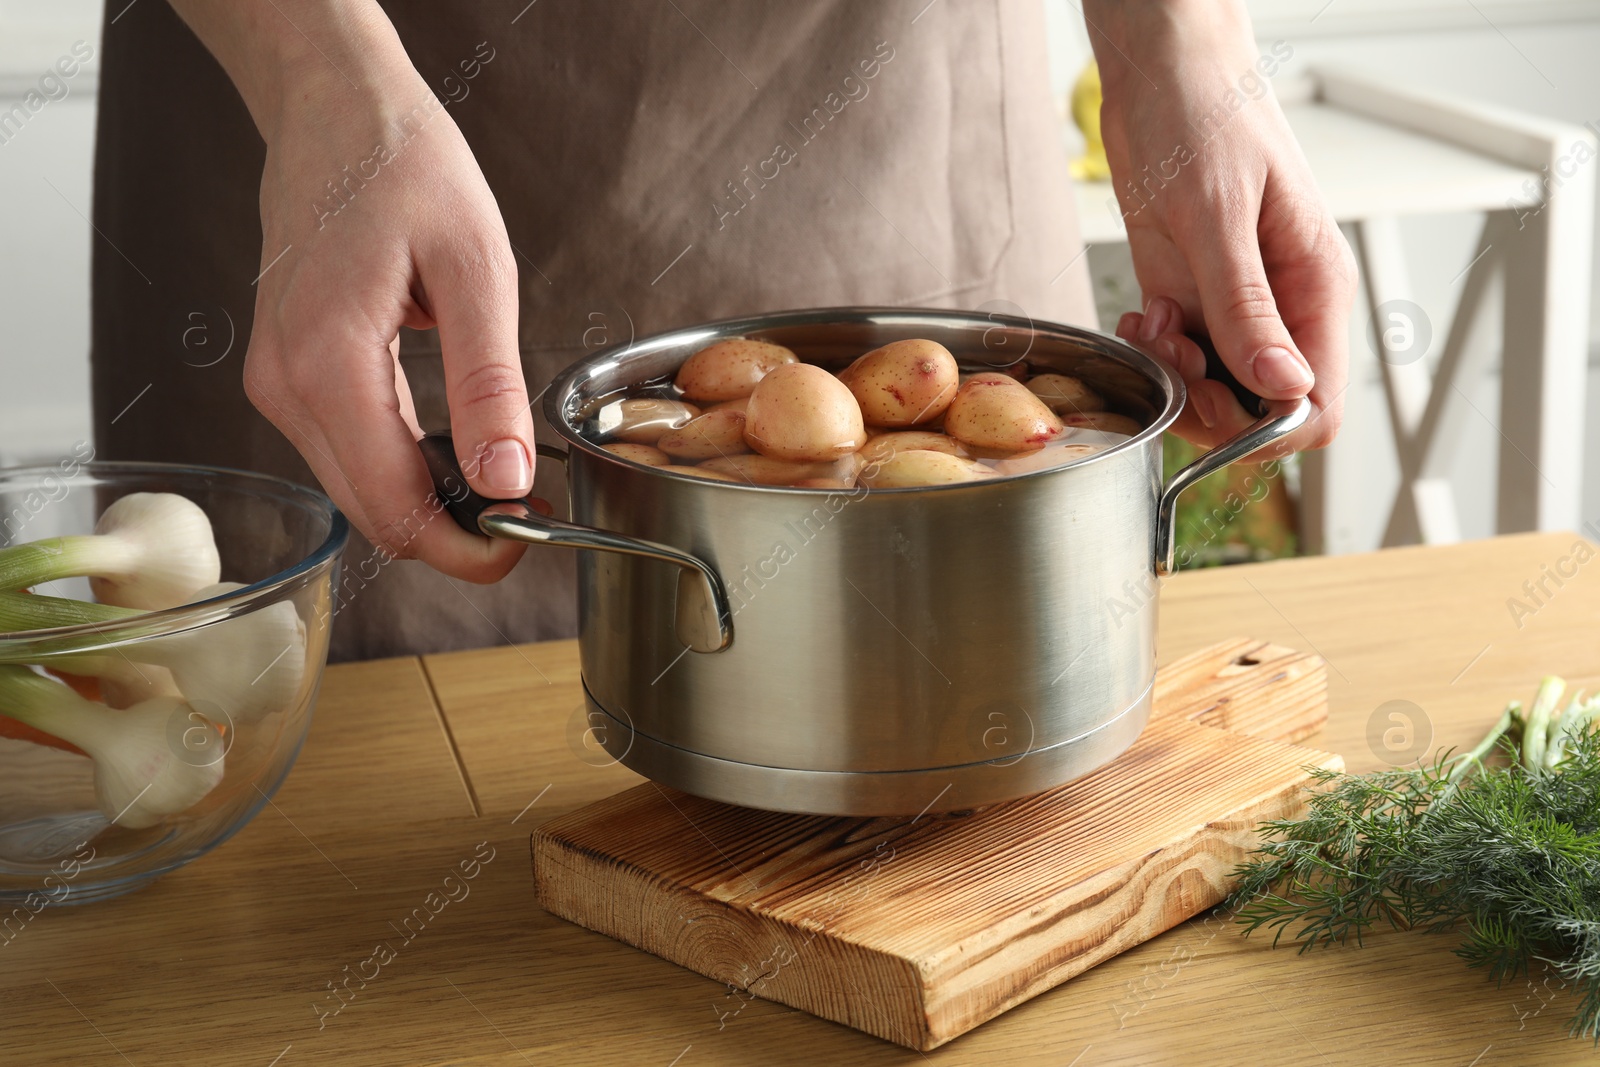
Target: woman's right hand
{"x": 375, "y": 216}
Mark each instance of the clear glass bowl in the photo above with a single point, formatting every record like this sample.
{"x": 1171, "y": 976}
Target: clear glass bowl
{"x": 282, "y": 541}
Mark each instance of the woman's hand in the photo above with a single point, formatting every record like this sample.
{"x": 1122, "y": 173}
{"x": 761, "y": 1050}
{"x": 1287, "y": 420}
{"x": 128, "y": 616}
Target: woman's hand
{"x": 1227, "y": 228}
{"x": 375, "y": 216}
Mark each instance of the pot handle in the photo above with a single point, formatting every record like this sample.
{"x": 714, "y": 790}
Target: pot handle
{"x": 704, "y": 615}
{"x": 1276, "y": 419}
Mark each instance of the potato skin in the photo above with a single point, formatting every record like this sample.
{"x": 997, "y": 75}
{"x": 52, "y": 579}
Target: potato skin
{"x": 1018, "y": 371}
{"x": 1063, "y": 393}
{"x": 765, "y": 470}
{"x": 920, "y": 466}
{"x": 649, "y": 455}
{"x": 716, "y": 433}
{"x": 996, "y": 411}
{"x": 904, "y": 383}
{"x": 1053, "y": 455}
{"x": 645, "y": 419}
{"x": 881, "y": 446}
{"x": 1104, "y": 420}
{"x": 738, "y": 405}
{"x": 730, "y": 369}
{"x": 801, "y": 412}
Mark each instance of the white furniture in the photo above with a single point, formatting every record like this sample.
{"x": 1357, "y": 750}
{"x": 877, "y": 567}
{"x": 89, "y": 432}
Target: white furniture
{"x": 1381, "y": 151}
{"x": 45, "y": 177}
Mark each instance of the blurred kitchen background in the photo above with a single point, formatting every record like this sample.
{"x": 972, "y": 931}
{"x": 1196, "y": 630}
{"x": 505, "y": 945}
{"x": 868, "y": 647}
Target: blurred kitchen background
{"x": 1504, "y": 85}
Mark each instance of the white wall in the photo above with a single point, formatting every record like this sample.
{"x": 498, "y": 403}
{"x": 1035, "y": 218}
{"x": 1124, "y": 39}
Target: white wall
{"x": 44, "y": 231}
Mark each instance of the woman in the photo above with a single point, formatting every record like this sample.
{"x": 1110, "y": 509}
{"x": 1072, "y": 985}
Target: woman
{"x": 538, "y": 179}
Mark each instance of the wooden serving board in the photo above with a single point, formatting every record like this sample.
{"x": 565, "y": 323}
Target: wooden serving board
{"x": 919, "y": 929}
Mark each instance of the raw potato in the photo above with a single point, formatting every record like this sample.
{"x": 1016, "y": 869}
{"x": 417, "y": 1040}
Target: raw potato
{"x": 920, "y": 466}
{"x": 884, "y": 445}
{"x": 801, "y": 412}
{"x": 996, "y": 411}
{"x": 1062, "y": 393}
{"x": 642, "y": 420}
{"x": 1053, "y": 455}
{"x": 728, "y": 370}
{"x": 1016, "y": 371}
{"x": 764, "y": 470}
{"x": 1104, "y": 420}
{"x": 716, "y": 433}
{"x": 649, "y": 455}
{"x": 731, "y": 405}
{"x": 903, "y": 383}
{"x": 700, "y": 472}
{"x": 1114, "y": 374}
{"x": 849, "y": 467}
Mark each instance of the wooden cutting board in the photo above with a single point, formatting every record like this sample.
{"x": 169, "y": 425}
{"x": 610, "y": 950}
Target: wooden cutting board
{"x": 919, "y": 929}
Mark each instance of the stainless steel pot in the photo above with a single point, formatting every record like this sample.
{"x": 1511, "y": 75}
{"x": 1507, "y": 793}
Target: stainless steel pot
{"x": 857, "y": 652}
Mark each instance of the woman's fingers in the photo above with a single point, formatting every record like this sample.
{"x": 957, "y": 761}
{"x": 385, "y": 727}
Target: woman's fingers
{"x": 1241, "y": 313}
{"x": 402, "y": 392}
{"x": 1314, "y": 274}
{"x": 500, "y": 556}
{"x": 345, "y": 415}
{"x": 469, "y": 283}
{"x": 270, "y": 398}
{"x": 1158, "y": 332}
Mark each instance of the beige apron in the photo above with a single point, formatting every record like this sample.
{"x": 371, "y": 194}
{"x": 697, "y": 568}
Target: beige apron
{"x": 657, "y": 163}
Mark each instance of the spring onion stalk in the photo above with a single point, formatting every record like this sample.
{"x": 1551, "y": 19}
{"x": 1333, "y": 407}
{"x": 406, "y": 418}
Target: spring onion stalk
{"x": 149, "y": 551}
{"x": 1571, "y": 725}
{"x": 248, "y": 666}
{"x": 142, "y": 772}
{"x": 1536, "y": 733}
{"x": 1472, "y": 760}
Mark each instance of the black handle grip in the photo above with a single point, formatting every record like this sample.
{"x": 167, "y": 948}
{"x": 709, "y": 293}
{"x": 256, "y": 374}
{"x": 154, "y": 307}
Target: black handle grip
{"x": 463, "y": 504}
{"x": 1218, "y": 371}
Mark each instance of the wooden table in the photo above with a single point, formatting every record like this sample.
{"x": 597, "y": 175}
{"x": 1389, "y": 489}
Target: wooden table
{"x": 413, "y": 763}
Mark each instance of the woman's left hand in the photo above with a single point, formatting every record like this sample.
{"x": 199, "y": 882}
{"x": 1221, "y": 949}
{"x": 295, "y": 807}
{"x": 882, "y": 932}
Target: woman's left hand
{"x": 1228, "y": 230}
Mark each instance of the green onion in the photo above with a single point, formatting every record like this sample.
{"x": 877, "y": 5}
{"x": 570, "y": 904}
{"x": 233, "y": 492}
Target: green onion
{"x": 1537, "y": 731}
{"x": 148, "y": 551}
{"x": 241, "y": 668}
{"x": 152, "y": 760}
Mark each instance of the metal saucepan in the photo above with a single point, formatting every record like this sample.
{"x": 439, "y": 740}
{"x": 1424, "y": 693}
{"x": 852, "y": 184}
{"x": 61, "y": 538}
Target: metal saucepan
{"x": 857, "y": 652}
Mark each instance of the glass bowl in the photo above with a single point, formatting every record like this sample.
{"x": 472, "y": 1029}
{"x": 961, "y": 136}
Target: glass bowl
{"x": 184, "y": 671}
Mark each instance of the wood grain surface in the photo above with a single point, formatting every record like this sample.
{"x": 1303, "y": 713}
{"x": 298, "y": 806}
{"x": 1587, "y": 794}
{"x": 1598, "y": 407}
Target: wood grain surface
{"x": 918, "y": 929}
{"x": 225, "y": 961}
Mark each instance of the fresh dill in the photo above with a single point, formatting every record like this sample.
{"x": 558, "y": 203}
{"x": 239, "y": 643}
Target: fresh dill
{"x": 1501, "y": 844}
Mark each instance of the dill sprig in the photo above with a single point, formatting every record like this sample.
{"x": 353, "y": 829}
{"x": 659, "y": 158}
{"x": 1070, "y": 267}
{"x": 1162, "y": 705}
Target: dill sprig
{"x": 1501, "y": 843}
